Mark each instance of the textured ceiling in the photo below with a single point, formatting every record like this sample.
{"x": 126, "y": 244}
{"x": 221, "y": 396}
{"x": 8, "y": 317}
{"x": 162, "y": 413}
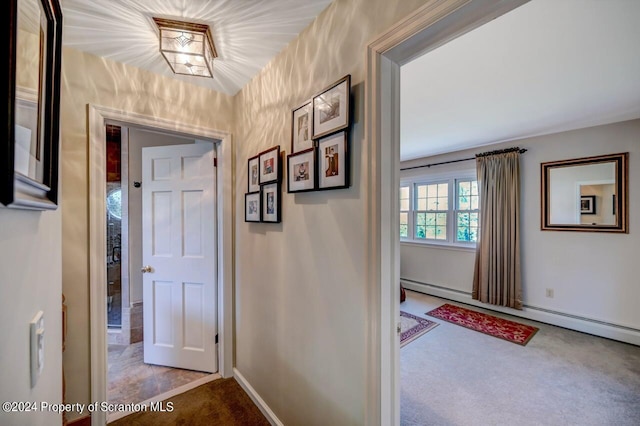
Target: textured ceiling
{"x": 545, "y": 67}
{"x": 247, "y": 33}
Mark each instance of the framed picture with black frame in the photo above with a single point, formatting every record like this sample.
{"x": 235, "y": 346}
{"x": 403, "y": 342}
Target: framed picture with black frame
{"x": 253, "y": 174}
{"x": 588, "y": 204}
{"x": 271, "y": 202}
{"x": 333, "y": 162}
{"x": 331, "y": 108}
{"x": 301, "y": 171}
{"x": 269, "y": 165}
{"x": 301, "y": 128}
{"x": 252, "y": 208}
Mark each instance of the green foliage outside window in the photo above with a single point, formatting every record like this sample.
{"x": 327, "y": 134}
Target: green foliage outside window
{"x": 467, "y": 218}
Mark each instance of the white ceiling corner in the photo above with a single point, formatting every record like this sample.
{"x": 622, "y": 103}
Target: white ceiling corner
{"x": 545, "y": 67}
{"x": 247, "y": 33}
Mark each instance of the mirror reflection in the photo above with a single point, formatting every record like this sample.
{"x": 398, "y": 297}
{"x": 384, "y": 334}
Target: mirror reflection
{"x": 578, "y": 194}
{"x": 585, "y": 194}
{"x": 29, "y": 113}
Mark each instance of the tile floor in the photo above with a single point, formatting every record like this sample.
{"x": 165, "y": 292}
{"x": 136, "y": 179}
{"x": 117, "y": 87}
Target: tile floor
{"x": 131, "y": 380}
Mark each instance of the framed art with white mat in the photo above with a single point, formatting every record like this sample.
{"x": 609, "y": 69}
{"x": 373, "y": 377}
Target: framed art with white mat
{"x": 252, "y": 207}
{"x": 333, "y": 162}
{"x": 331, "y": 108}
{"x": 301, "y": 171}
{"x": 269, "y": 165}
{"x": 271, "y": 202}
{"x": 253, "y": 173}
{"x": 301, "y": 130}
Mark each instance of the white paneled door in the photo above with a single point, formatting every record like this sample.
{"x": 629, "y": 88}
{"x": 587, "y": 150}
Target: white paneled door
{"x": 179, "y": 256}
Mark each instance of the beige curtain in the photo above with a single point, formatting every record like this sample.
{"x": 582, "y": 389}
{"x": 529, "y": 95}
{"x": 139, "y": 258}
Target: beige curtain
{"x": 497, "y": 271}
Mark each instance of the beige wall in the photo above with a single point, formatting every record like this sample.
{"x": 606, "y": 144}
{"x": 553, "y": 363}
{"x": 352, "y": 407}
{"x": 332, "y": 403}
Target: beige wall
{"x": 87, "y": 79}
{"x": 30, "y": 282}
{"x": 593, "y": 274}
{"x": 301, "y": 285}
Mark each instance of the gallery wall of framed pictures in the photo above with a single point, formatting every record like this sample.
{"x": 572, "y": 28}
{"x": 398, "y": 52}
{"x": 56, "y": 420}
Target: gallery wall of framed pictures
{"x": 319, "y": 158}
{"x": 262, "y": 201}
{"x": 320, "y": 155}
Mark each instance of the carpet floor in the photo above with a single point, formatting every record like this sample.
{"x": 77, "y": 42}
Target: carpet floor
{"x": 455, "y": 376}
{"x": 220, "y": 402}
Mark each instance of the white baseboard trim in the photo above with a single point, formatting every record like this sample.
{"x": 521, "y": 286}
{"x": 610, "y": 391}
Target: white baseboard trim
{"x": 270, "y": 415}
{"x": 560, "y": 319}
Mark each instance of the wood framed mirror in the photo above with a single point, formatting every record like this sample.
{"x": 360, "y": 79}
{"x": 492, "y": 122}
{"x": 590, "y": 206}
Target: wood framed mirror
{"x": 30, "y": 144}
{"x": 586, "y": 194}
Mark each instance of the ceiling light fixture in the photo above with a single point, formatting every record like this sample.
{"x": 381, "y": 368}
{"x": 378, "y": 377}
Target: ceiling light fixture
{"x": 188, "y": 47}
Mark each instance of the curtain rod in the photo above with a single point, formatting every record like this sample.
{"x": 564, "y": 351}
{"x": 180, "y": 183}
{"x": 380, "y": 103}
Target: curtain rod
{"x": 483, "y": 154}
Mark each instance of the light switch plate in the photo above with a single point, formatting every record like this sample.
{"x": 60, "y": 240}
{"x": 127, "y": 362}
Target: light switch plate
{"x": 36, "y": 330}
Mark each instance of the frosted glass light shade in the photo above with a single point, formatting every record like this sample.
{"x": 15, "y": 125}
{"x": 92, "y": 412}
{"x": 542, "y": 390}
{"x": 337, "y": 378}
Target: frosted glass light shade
{"x": 187, "y": 47}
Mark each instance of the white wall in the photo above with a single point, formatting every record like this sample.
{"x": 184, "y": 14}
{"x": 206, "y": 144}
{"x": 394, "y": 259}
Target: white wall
{"x": 593, "y": 275}
{"x": 30, "y": 281}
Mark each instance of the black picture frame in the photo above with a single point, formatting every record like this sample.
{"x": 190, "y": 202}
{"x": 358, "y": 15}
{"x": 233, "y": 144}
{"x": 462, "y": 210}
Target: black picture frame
{"x": 269, "y": 165}
{"x": 252, "y": 206}
{"x": 302, "y": 128}
{"x": 22, "y": 185}
{"x": 587, "y": 204}
{"x": 253, "y": 174}
{"x": 301, "y": 171}
{"x": 333, "y": 162}
{"x": 332, "y": 108}
{"x": 271, "y": 202}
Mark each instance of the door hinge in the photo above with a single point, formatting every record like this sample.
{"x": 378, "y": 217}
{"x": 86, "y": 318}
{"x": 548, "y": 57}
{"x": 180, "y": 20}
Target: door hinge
{"x": 216, "y": 339}
{"x": 215, "y": 161}
{"x": 398, "y": 329}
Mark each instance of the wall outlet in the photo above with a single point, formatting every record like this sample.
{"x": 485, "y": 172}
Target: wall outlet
{"x": 549, "y": 293}
{"x": 36, "y": 331}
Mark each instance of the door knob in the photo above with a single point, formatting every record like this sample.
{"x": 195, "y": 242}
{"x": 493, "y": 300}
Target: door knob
{"x": 146, "y": 269}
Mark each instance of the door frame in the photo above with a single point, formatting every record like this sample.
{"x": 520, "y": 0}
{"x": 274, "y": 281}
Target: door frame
{"x": 429, "y": 27}
{"x": 97, "y": 118}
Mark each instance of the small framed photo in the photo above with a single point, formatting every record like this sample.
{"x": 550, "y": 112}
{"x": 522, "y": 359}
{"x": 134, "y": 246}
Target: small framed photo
{"x": 252, "y": 207}
{"x": 269, "y": 165}
{"x": 331, "y": 108}
{"x": 333, "y": 161}
{"x": 301, "y": 131}
{"x": 271, "y": 202}
{"x": 253, "y": 170}
{"x": 588, "y": 204}
{"x": 301, "y": 171}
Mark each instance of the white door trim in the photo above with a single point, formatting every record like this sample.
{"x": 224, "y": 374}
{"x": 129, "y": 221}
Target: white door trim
{"x": 432, "y": 25}
{"x": 97, "y": 240}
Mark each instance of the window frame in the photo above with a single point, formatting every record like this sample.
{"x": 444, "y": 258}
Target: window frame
{"x": 409, "y": 212}
{"x": 458, "y": 210}
{"x": 452, "y": 179}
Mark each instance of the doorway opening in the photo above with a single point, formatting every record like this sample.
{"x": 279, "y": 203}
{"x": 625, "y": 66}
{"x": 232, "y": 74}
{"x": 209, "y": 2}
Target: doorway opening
{"x": 132, "y": 376}
{"x": 218, "y": 142}
{"x": 429, "y": 27}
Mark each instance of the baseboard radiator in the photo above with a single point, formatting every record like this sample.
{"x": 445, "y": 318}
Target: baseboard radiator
{"x": 561, "y": 319}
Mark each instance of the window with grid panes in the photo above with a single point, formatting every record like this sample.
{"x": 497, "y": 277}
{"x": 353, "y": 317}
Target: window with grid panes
{"x": 444, "y": 211}
{"x": 467, "y": 211}
{"x": 405, "y": 206}
{"x": 431, "y": 211}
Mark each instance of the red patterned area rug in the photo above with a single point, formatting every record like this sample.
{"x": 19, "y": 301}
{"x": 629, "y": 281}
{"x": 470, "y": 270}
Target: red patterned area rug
{"x": 412, "y": 327}
{"x": 487, "y": 324}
